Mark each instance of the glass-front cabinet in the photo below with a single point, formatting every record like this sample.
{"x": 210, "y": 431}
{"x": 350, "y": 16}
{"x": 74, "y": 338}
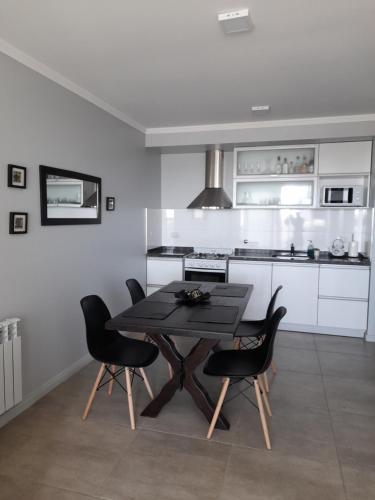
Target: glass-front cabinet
{"x": 275, "y": 160}
{"x": 290, "y": 193}
{"x": 275, "y": 176}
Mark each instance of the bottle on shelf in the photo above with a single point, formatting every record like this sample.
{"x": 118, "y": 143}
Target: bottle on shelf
{"x": 285, "y": 166}
{"x": 305, "y": 166}
{"x": 291, "y": 168}
{"x": 278, "y": 168}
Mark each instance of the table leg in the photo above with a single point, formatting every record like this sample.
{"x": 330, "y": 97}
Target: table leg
{"x": 169, "y": 351}
{"x": 183, "y": 376}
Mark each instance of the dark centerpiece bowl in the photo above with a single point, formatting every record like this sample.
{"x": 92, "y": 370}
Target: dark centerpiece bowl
{"x": 192, "y": 297}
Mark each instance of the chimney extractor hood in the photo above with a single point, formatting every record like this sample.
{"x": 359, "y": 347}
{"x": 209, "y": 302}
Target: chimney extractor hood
{"x": 213, "y": 195}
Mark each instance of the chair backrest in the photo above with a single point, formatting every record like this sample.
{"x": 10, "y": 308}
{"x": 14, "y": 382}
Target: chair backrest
{"x": 270, "y": 331}
{"x": 135, "y": 290}
{"x": 271, "y": 305}
{"x": 96, "y": 314}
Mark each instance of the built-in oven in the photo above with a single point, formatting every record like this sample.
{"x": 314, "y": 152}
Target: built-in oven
{"x": 213, "y": 275}
{"x": 206, "y": 267}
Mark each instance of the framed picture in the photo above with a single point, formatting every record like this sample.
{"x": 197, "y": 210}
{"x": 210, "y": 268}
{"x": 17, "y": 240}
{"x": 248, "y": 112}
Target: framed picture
{"x": 110, "y": 203}
{"x": 18, "y": 222}
{"x": 16, "y": 176}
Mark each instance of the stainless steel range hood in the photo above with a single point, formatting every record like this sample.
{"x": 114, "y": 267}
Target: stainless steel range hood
{"x": 213, "y": 195}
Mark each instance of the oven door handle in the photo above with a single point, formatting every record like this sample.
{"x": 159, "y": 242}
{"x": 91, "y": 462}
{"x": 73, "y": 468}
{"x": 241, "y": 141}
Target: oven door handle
{"x": 203, "y": 270}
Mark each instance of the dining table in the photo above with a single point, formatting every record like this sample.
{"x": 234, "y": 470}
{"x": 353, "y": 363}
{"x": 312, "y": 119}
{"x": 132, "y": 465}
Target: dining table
{"x": 162, "y": 316}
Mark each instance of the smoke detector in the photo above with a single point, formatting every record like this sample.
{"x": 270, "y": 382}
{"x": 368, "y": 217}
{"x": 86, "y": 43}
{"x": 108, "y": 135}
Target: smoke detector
{"x": 261, "y": 108}
{"x": 235, "y": 21}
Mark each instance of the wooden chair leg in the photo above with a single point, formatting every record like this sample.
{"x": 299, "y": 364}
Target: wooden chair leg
{"x": 265, "y": 397}
{"x": 93, "y": 391}
{"x": 110, "y": 385}
{"x": 170, "y": 371}
{"x": 262, "y": 415}
{"x": 266, "y": 384}
{"x": 147, "y": 383}
{"x": 130, "y": 398}
{"x": 218, "y": 407}
{"x": 273, "y": 366}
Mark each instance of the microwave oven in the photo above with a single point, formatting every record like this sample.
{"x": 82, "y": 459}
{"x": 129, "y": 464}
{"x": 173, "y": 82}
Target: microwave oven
{"x": 342, "y": 196}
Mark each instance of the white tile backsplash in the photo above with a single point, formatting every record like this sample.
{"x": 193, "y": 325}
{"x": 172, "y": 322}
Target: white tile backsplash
{"x": 275, "y": 229}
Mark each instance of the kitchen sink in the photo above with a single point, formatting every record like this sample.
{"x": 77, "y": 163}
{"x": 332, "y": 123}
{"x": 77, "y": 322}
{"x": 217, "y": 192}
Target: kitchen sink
{"x": 290, "y": 257}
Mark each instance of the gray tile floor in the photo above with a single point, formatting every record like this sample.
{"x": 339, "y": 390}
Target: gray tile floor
{"x": 322, "y": 431}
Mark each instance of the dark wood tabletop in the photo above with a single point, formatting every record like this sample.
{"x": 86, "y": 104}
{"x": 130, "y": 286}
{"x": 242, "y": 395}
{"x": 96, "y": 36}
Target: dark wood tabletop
{"x": 180, "y": 321}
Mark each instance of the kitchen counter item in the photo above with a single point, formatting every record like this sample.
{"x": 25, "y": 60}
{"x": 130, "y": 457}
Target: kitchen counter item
{"x": 338, "y": 247}
{"x": 353, "y": 248}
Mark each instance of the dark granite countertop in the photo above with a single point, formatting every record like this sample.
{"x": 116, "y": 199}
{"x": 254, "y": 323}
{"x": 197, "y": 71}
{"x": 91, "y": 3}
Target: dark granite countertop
{"x": 245, "y": 254}
{"x": 324, "y": 258}
{"x": 169, "y": 251}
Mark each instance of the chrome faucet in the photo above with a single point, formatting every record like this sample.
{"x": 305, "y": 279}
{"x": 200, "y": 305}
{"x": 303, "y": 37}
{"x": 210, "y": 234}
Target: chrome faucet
{"x": 292, "y": 249}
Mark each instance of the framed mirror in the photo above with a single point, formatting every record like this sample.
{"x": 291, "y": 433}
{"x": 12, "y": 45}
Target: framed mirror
{"x": 68, "y": 197}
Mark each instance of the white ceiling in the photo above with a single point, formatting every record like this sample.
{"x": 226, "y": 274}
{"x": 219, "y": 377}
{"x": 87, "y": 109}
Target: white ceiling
{"x": 167, "y": 62}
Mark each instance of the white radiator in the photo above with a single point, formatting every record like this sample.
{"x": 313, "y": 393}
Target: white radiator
{"x": 10, "y": 364}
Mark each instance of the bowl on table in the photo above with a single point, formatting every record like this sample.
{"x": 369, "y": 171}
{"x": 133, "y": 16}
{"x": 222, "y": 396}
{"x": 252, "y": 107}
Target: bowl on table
{"x": 192, "y": 297}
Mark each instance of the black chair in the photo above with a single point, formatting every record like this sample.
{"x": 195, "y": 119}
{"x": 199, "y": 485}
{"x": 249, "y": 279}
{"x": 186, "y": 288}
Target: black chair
{"x": 254, "y": 329}
{"x": 113, "y": 350}
{"x": 250, "y": 333}
{"x": 137, "y": 294}
{"x": 136, "y": 291}
{"x": 238, "y": 365}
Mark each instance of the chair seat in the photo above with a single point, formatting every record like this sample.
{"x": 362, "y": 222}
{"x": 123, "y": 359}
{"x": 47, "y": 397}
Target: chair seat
{"x": 250, "y": 328}
{"x": 133, "y": 353}
{"x": 235, "y": 363}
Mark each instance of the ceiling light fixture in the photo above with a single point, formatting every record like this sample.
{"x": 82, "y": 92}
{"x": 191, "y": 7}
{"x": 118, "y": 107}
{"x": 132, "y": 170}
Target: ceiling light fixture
{"x": 235, "y": 21}
{"x": 265, "y": 107}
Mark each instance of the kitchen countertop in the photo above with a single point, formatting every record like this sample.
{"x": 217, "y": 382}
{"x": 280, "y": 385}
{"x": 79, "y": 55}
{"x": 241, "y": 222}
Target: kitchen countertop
{"x": 324, "y": 258}
{"x": 169, "y": 251}
{"x": 243, "y": 254}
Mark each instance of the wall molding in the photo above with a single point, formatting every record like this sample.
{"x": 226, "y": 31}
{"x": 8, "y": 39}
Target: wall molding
{"x": 45, "y": 389}
{"x": 41, "y": 68}
{"x": 215, "y": 127}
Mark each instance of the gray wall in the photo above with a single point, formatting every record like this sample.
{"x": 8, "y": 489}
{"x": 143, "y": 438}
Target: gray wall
{"x": 44, "y": 274}
{"x": 182, "y": 177}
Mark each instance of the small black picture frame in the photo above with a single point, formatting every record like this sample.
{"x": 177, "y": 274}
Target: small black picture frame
{"x": 18, "y": 222}
{"x": 16, "y": 176}
{"x": 110, "y": 203}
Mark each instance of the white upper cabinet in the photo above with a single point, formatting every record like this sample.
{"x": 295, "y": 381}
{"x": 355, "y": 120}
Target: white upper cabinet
{"x": 345, "y": 158}
{"x": 260, "y": 276}
{"x": 163, "y": 270}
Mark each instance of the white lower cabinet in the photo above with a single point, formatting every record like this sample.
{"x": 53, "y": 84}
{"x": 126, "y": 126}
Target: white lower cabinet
{"x": 259, "y": 275}
{"x": 161, "y": 271}
{"x": 300, "y": 292}
{"x": 343, "y": 314}
{"x": 343, "y": 298}
{"x": 344, "y": 281}
{"x": 152, "y": 289}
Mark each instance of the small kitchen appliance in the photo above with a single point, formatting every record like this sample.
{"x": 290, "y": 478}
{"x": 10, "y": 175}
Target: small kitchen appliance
{"x": 342, "y": 196}
{"x": 337, "y": 248}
